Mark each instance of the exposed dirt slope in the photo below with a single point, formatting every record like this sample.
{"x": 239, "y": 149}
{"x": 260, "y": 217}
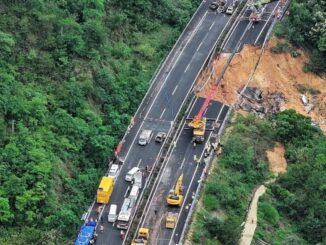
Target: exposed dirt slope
{"x": 276, "y": 160}
{"x": 275, "y": 72}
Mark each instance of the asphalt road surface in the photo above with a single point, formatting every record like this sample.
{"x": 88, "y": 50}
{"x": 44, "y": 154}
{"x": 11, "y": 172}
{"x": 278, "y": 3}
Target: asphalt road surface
{"x": 181, "y": 161}
{"x": 161, "y": 105}
{"x": 256, "y": 32}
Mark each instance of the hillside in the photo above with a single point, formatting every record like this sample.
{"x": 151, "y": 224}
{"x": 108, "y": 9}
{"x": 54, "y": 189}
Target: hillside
{"x": 72, "y": 74}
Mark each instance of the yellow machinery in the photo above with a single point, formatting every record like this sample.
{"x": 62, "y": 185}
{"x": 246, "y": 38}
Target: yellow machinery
{"x": 199, "y": 126}
{"x": 171, "y": 220}
{"x": 142, "y": 237}
{"x": 175, "y": 196}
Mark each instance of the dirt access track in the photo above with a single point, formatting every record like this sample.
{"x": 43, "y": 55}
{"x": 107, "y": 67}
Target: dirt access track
{"x": 275, "y": 73}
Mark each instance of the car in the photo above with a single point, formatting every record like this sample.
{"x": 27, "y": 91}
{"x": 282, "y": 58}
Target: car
{"x": 213, "y": 6}
{"x": 229, "y": 10}
{"x": 160, "y": 137}
{"x": 145, "y": 137}
{"x": 114, "y": 171}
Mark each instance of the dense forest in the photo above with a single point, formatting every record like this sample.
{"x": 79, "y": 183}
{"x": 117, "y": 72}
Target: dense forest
{"x": 306, "y": 27}
{"x": 294, "y": 209}
{"x": 72, "y": 74}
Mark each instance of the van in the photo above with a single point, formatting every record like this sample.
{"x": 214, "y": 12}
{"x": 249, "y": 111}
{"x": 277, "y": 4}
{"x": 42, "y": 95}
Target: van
{"x": 113, "y": 213}
{"x": 145, "y": 137}
{"x": 131, "y": 173}
{"x": 114, "y": 171}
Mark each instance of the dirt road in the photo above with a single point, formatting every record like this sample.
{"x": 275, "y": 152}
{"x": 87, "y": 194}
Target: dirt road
{"x": 251, "y": 222}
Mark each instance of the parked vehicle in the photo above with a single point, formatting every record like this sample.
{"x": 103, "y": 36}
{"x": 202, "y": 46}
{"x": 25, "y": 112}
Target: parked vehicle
{"x": 138, "y": 177}
{"x": 160, "y": 137}
{"x": 86, "y": 234}
{"x": 145, "y": 137}
{"x": 112, "y": 216}
{"x": 114, "y": 171}
{"x": 104, "y": 190}
{"x": 131, "y": 173}
{"x": 229, "y": 10}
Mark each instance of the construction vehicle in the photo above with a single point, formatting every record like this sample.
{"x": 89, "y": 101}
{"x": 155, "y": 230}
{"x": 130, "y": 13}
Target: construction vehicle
{"x": 104, "y": 190}
{"x": 258, "y": 9}
{"x": 171, "y": 220}
{"x": 142, "y": 237}
{"x": 199, "y": 122}
{"x": 175, "y": 196}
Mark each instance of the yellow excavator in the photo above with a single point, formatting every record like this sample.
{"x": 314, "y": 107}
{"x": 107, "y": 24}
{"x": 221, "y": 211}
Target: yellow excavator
{"x": 175, "y": 196}
{"x": 142, "y": 237}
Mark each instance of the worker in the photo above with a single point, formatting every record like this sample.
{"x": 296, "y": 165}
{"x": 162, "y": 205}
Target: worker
{"x": 194, "y": 144}
{"x": 101, "y": 228}
{"x": 95, "y": 237}
{"x": 155, "y": 212}
{"x": 102, "y": 219}
{"x": 122, "y": 234}
{"x": 174, "y": 144}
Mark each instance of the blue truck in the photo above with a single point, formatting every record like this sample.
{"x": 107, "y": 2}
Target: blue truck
{"x": 86, "y": 234}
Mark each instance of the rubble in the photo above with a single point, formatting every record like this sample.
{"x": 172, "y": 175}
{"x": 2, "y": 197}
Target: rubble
{"x": 254, "y": 100}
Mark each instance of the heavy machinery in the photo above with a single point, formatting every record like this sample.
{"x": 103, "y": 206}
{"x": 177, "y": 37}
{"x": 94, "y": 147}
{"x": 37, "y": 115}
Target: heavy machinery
{"x": 258, "y": 9}
{"x": 175, "y": 196}
{"x": 171, "y": 220}
{"x": 142, "y": 237}
{"x": 199, "y": 122}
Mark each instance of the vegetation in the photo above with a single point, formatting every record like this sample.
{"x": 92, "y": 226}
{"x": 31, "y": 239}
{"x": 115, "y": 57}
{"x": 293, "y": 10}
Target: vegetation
{"x": 293, "y": 210}
{"x": 305, "y": 26}
{"x": 71, "y": 75}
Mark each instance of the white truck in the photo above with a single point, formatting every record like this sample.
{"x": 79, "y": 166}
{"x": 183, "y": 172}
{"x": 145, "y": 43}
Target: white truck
{"x": 125, "y": 213}
{"x": 128, "y": 208}
{"x": 138, "y": 177}
{"x": 145, "y": 137}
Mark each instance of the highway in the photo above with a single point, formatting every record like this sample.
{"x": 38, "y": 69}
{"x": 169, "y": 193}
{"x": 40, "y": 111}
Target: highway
{"x": 161, "y": 106}
{"x": 181, "y": 161}
{"x": 256, "y": 31}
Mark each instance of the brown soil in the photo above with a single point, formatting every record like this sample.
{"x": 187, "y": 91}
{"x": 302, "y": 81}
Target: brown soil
{"x": 276, "y": 160}
{"x": 275, "y": 72}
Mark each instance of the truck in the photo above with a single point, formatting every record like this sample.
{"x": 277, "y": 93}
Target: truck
{"x": 86, "y": 234}
{"x": 171, "y": 220}
{"x": 104, "y": 190}
{"x": 125, "y": 213}
{"x": 145, "y": 137}
{"x": 142, "y": 237}
{"x": 138, "y": 177}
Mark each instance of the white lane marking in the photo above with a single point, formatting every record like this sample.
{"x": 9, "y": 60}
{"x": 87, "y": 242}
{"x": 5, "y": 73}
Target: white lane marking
{"x": 211, "y": 26}
{"x": 162, "y": 113}
{"x": 199, "y": 46}
{"x": 146, "y": 214}
{"x": 265, "y": 24}
{"x": 161, "y": 176}
{"x": 187, "y": 68}
{"x": 149, "y": 109}
{"x": 192, "y": 179}
{"x": 174, "y": 90}
{"x": 183, "y": 162}
{"x": 140, "y": 160}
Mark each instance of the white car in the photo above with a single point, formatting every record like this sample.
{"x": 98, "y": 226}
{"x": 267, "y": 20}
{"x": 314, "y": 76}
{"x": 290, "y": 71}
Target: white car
{"x": 114, "y": 171}
{"x": 229, "y": 10}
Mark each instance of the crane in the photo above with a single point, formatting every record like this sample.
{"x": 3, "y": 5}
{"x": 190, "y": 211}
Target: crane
{"x": 175, "y": 196}
{"x": 199, "y": 122}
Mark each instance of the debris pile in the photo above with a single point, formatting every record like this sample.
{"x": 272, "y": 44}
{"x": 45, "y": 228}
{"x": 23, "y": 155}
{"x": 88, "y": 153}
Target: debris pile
{"x": 255, "y": 101}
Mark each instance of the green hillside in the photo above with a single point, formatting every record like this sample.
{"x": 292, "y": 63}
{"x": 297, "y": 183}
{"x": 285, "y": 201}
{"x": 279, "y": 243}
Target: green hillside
{"x": 72, "y": 74}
